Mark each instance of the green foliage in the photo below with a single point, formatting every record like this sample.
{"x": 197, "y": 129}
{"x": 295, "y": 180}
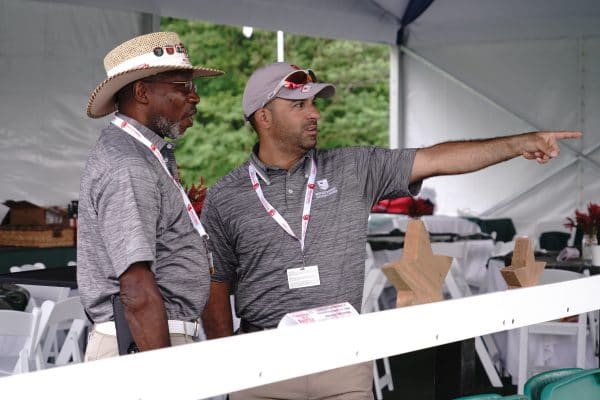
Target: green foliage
{"x": 219, "y": 141}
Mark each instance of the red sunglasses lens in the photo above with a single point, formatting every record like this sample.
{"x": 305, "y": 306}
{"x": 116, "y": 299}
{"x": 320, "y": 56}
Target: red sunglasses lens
{"x": 301, "y": 77}
{"x": 298, "y": 77}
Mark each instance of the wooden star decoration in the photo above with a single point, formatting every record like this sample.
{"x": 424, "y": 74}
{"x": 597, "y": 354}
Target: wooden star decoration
{"x": 419, "y": 274}
{"x": 524, "y": 271}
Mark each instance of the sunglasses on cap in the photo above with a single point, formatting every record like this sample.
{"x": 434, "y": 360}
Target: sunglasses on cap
{"x": 293, "y": 80}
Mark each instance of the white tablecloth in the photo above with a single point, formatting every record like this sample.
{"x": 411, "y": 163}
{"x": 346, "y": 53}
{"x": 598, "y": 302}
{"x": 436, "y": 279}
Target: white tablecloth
{"x": 384, "y": 223}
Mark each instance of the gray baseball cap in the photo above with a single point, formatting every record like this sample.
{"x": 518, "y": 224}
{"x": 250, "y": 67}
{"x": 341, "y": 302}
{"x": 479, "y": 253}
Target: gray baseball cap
{"x": 264, "y": 81}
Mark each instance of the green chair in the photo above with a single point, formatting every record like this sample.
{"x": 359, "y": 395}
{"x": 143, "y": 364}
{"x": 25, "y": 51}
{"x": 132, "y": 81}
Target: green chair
{"x": 486, "y": 396}
{"x": 535, "y": 384}
{"x": 584, "y": 385}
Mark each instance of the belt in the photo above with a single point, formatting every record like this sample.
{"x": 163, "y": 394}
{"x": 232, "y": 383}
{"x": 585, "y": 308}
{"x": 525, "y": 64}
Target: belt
{"x": 247, "y": 327}
{"x": 180, "y": 327}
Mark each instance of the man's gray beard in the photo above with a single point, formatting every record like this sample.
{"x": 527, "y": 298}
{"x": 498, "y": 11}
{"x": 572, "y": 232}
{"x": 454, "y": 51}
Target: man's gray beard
{"x": 170, "y": 129}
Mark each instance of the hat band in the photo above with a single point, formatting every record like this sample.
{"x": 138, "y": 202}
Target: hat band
{"x": 150, "y": 60}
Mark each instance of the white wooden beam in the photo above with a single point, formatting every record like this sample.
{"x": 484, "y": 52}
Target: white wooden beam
{"x": 219, "y": 366}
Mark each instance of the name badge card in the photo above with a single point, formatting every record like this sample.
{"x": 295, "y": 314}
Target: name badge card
{"x": 325, "y": 313}
{"x": 303, "y": 277}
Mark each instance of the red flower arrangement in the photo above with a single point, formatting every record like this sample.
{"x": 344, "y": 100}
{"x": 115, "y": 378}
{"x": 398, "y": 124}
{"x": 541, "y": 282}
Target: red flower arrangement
{"x": 589, "y": 222}
{"x": 196, "y": 194}
{"x": 414, "y": 207}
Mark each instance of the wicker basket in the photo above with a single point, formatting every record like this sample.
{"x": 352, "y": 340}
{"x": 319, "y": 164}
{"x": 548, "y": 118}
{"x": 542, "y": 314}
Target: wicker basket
{"x": 37, "y": 236}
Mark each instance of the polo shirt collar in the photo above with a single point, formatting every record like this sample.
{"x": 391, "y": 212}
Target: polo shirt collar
{"x": 262, "y": 170}
{"x": 157, "y": 140}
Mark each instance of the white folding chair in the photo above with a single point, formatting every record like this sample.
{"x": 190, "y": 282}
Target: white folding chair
{"x": 38, "y": 294}
{"x": 18, "y": 325}
{"x": 374, "y": 283}
{"x": 457, "y": 286}
{"x": 577, "y": 329}
{"x": 56, "y": 349}
{"x": 552, "y": 225}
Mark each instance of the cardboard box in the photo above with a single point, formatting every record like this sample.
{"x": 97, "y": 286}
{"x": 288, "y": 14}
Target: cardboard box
{"x": 24, "y": 213}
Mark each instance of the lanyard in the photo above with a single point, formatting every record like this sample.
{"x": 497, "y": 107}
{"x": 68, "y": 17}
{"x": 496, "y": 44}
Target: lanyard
{"x": 136, "y": 134}
{"x": 310, "y": 187}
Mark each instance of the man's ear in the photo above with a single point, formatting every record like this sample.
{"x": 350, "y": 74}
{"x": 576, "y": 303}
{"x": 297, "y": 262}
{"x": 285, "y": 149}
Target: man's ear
{"x": 140, "y": 92}
{"x": 263, "y": 117}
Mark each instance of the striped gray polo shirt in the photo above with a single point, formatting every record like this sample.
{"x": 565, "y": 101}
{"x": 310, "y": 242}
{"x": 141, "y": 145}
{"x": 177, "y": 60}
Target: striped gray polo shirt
{"x": 253, "y": 252}
{"x": 130, "y": 211}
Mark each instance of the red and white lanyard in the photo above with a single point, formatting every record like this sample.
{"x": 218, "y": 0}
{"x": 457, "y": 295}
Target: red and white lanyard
{"x": 136, "y": 134}
{"x": 310, "y": 187}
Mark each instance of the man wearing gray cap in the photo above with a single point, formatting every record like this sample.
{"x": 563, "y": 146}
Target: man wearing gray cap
{"x": 288, "y": 228}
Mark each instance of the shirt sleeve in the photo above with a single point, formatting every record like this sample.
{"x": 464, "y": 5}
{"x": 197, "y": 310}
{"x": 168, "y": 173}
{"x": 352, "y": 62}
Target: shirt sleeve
{"x": 128, "y": 209}
{"x": 224, "y": 259}
{"x": 385, "y": 173}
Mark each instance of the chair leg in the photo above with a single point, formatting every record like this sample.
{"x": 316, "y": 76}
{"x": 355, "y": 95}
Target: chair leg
{"x": 388, "y": 374}
{"x": 523, "y": 358}
{"x": 378, "y": 393}
{"x": 488, "y": 364}
{"x": 593, "y": 328}
{"x": 582, "y": 325}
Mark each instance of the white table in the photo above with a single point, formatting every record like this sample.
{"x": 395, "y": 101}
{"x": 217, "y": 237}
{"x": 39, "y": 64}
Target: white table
{"x": 384, "y": 223}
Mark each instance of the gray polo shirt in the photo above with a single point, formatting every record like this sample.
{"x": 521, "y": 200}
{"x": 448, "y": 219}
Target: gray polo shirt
{"x": 253, "y": 252}
{"x": 130, "y": 211}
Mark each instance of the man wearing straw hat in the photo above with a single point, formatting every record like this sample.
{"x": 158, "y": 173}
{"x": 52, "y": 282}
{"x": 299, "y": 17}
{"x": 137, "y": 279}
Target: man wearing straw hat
{"x": 289, "y": 226}
{"x": 138, "y": 239}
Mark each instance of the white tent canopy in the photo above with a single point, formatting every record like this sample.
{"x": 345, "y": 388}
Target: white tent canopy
{"x": 466, "y": 70}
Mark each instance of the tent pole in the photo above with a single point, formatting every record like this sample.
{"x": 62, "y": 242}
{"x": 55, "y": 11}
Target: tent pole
{"x": 280, "y": 47}
{"x": 150, "y": 23}
{"x": 397, "y": 137}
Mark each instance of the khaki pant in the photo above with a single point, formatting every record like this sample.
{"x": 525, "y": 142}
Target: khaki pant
{"x": 105, "y": 346}
{"x": 354, "y": 382}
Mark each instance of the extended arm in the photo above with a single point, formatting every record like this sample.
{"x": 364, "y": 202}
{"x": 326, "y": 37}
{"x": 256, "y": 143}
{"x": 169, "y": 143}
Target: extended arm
{"x": 216, "y": 317}
{"x": 467, "y": 156}
{"x": 144, "y": 307}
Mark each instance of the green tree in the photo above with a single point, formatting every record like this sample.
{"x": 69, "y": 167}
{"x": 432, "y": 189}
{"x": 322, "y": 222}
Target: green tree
{"x": 220, "y": 140}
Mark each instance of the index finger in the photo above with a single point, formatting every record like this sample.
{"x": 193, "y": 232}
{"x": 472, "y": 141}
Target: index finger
{"x": 567, "y": 134}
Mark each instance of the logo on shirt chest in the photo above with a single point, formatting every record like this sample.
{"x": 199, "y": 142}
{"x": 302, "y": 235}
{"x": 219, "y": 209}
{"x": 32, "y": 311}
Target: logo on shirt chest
{"x": 324, "y": 189}
{"x": 323, "y": 184}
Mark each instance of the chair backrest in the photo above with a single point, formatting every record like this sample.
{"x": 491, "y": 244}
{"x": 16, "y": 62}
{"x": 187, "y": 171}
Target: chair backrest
{"x": 23, "y": 324}
{"x": 67, "y": 315}
{"x": 581, "y": 386}
{"x": 535, "y": 384}
{"x": 38, "y": 294}
{"x": 502, "y": 229}
{"x": 554, "y": 240}
{"x": 374, "y": 283}
{"x": 483, "y": 396}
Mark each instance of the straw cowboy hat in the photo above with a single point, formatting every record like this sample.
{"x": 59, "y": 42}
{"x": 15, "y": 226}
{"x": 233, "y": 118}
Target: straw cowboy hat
{"x": 139, "y": 58}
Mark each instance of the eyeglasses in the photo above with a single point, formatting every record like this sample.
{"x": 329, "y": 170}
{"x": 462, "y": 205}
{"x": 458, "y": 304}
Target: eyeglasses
{"x": 189, "y": 86}
{"x": 293, "y": 80}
